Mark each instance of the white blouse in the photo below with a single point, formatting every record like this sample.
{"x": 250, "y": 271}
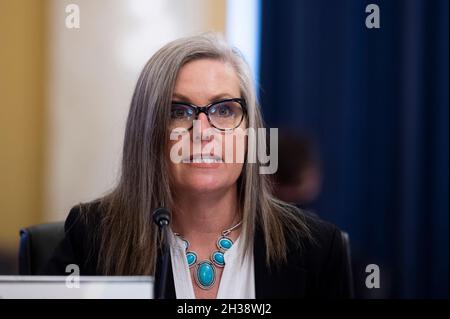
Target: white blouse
{"x": 238, "y": 276}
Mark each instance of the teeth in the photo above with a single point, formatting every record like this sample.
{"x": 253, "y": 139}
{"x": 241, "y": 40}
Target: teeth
{"x": 204, "y": 159}
{"x": 207, "y": 160}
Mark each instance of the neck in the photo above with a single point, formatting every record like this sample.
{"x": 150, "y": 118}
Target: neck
{"x": 205, "y": 214}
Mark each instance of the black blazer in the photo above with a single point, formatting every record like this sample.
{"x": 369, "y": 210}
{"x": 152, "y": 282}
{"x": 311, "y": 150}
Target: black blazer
{"x": 319, "y": 270}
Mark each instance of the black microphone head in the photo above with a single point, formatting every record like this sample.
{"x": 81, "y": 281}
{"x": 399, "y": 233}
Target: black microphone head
{"x": 161, "y": 217}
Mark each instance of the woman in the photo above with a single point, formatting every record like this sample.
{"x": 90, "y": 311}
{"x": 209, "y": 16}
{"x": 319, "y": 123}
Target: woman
{"x": 230, "y": 238}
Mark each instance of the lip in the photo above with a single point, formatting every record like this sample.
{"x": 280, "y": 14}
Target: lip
{"x": 203, "y": 161}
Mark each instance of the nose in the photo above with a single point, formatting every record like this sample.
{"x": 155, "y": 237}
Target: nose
{"x": 204, "y": 121}
{"x": 202, "y": 134}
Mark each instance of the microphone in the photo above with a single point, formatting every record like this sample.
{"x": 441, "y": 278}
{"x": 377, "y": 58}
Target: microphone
{"x": 161, "y": 217}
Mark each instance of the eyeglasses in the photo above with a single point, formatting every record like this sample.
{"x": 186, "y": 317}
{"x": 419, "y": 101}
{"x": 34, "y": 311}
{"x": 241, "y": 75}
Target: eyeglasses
{"x": 223, "y": 115}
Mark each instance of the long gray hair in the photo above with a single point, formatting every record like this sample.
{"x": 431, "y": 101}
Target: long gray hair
{"x": 128, "y": 238}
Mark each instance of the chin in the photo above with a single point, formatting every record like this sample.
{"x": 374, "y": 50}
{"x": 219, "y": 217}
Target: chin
{"x": 204, "y": 183}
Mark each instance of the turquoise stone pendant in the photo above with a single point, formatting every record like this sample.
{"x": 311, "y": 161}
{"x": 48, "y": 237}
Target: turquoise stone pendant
{"x": 224, "y": 243}
{"x": 218, "y": 258}
{"x": 205, "y": 274}
{"x": 191, "y": 258}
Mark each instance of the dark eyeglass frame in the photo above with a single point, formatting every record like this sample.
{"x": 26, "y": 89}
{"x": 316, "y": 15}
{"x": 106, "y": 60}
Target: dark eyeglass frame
{"x": 205, "y": 109}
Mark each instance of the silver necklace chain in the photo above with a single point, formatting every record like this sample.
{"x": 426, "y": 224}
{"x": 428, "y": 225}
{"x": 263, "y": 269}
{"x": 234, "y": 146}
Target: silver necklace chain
{"x": 225, "y": 232}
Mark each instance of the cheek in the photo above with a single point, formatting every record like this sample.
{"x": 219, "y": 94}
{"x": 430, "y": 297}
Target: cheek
{"x": 234, "y": 147}
{"x": 232, "y": 171}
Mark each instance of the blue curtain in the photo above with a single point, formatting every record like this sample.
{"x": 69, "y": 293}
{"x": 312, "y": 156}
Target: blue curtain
{"x": 376, "y": 103}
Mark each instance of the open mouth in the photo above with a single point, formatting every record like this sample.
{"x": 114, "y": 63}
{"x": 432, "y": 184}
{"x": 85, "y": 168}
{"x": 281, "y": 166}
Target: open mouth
{"x": 203, "y": 159}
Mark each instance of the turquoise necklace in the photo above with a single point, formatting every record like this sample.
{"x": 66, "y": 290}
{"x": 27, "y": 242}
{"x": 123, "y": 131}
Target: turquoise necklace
{"x": 205, "y": 271}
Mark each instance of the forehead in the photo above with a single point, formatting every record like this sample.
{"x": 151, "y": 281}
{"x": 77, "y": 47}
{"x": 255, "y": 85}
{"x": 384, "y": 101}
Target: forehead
{"x": 205, "y": 79}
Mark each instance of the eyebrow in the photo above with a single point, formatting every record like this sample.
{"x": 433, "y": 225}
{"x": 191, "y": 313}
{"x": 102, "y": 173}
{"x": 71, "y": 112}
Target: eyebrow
{"x": 181, "y": 97}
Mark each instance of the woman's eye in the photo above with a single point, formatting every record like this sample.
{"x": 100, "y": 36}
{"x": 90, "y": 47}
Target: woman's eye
{"x": 178, "y": 113}
{"x": 222, "y": 110}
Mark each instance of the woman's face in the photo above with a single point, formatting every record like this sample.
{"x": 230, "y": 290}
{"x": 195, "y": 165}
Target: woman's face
{"x": 201, "y": 82}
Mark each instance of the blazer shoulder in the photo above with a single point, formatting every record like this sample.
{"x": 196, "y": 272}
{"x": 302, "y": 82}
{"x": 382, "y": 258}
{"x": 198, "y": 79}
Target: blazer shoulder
{"x": 80, "y": 243}
{"x": 314, "y": 237}
{"x": 324, "y": 238}
{"x": 83, "y": 217}
{"x": 322, "y": 231}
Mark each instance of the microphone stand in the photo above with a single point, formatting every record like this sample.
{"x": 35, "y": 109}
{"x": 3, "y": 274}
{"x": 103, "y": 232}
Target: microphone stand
{"x": 161, "y": 217}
